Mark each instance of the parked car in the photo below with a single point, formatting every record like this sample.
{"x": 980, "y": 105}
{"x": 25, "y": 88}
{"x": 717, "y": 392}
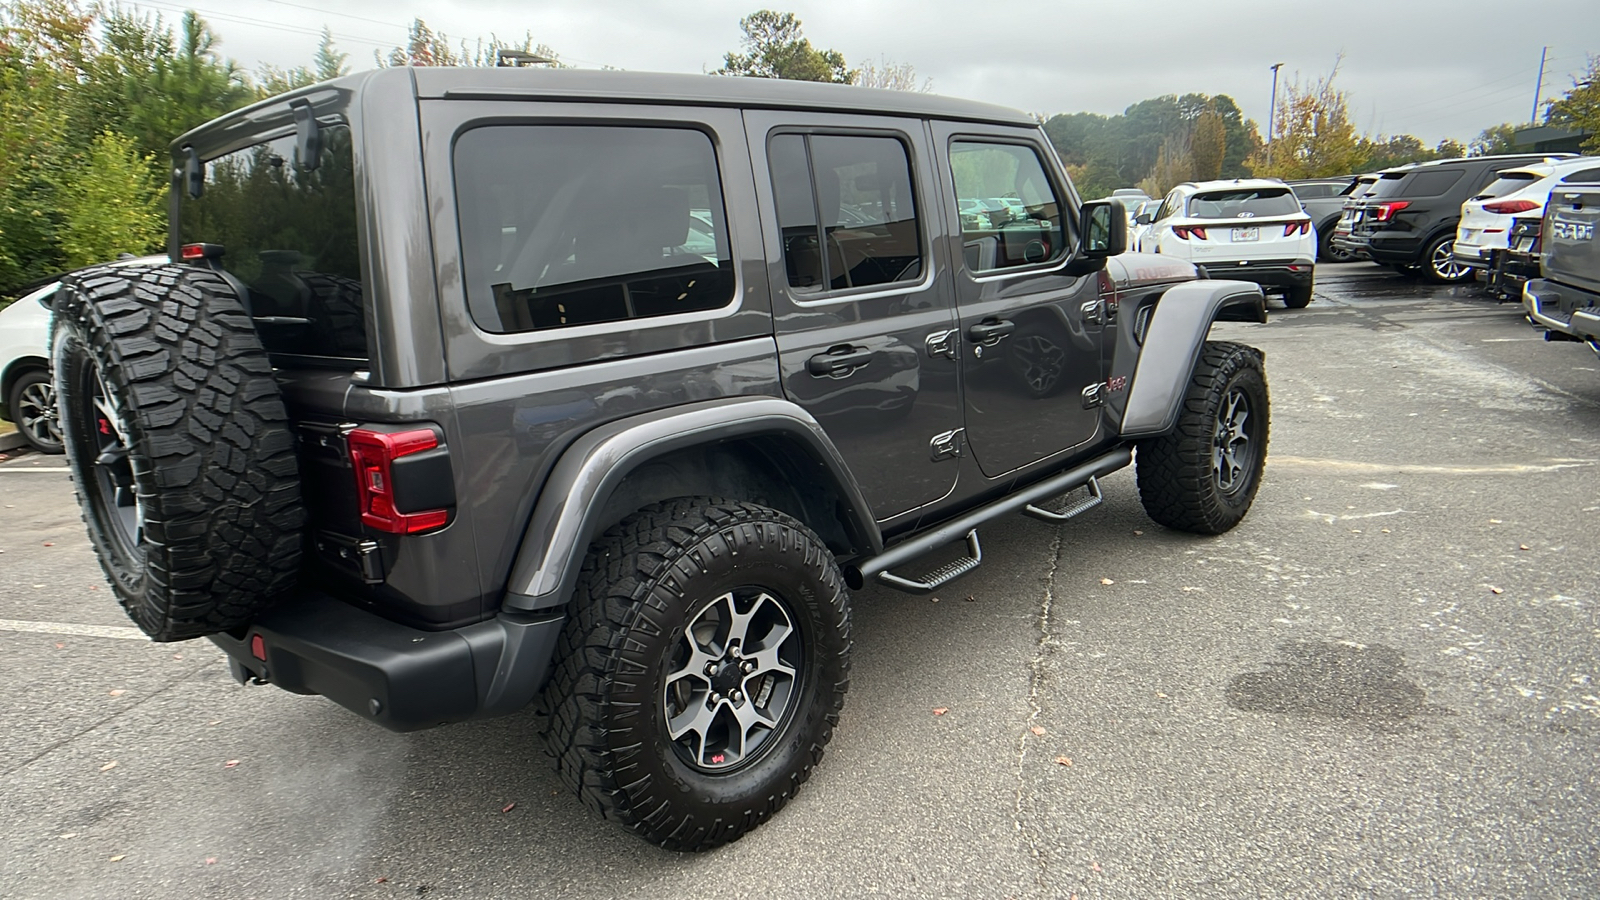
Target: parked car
{"x": 1564, "y": 301}
{"x": 26, "y": 398}
{"x": 1129, "y": 197}
{"x": 1143, "y": 215}
{"x": 1486, "y": 218}
{"x": 1514, "y": 266}
{"x": 1347, "y": 210}
{"x": 1323, "y": 200}
{"x": 576, "y": 465}
{"x": 1409, "y": 219}
{"x": 1247, "y": 228}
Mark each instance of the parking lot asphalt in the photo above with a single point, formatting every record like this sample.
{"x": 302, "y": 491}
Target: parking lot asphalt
{"x": 1381, "y": 684}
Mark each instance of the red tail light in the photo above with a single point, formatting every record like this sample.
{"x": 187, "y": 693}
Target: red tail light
{"x": 1183, "y": 231}
{"x": 1510, "y": 206}
{"x": 200, "y": 251}
{"x": 1293, "y": 228}
{"x": 1386, "y": 210}
{"x": 373, "y": 453}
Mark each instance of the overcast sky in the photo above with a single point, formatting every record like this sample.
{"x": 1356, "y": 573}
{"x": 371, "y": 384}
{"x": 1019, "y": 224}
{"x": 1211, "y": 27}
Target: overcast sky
{"x": 1433, "y": 69}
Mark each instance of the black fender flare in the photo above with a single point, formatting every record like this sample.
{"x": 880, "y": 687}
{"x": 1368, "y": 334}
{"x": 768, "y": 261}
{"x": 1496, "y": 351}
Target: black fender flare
{"x": 566, "y": 516}
{"x": 1172, "y": 342}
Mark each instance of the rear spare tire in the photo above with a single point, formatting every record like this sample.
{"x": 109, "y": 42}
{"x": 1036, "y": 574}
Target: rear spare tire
{"x": 179, "y": 446}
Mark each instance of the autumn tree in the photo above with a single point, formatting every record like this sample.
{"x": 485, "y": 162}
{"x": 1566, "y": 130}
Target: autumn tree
{"x": 1312, "y": 133}
{"x": 1174, "y": 165}
{"x": 775, "y": 47}
{"x": 1209, "y": 145}
{"x": 891, "y": 76}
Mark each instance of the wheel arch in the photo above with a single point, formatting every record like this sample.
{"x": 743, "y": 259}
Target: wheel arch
{"x": 1176, "y": 332}
{"x": 762, "y": 449}
{"x": 18, "y": 367}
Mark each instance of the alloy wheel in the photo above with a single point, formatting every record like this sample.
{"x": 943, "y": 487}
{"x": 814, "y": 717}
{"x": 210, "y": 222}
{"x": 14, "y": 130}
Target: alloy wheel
{"x": 112, "y": 473}
{"x": 37, "y": 416}
{"x": 733, "y": 681}
{"x": 1444, "y": 263}
{"x": 1233, "y": 451}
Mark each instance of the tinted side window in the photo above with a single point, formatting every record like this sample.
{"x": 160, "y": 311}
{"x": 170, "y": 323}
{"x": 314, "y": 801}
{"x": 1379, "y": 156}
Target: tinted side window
{"x": 566, "y": 225}
{"x": 1313, "y": 191}
{"x": 1428, "y": 184}
{"x": 846, "y": 210}
{"x": 289, "y": 234}
{"x": 1583, "y": 176}
{"x": 1020, "y": 223}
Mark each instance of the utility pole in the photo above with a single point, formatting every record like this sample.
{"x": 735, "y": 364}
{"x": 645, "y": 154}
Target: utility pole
{"x": 1538, "y": 87}
{"x": 1272, "y": 110}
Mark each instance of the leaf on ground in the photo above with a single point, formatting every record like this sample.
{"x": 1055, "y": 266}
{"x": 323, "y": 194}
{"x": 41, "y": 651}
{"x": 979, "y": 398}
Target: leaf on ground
{"x": 211, "y": 860}
{"x": 118, "y": 692}
{"x": 1161, "y": 695}
{"x": 119, "y": 857}
{"x": 1495, "y": 590}
{"x": 1038, "y": 730}
{"x": 49, "y": 543}
{"x": 940, "y": 710}
{"x": 230, "y": 764}
{"x": 1494, "y": 521}
{"x": 1523, "y": 547}
{"x": 1107, "y": 581}
{"x": 70, "y": 834}
{"x": 1063, "y": 761}
{"x": 177, "y": 656}
{"x": 1094, "y": 865}
{"x": 109, "y": 766}
{"x": 1137, "y": 532}
{"x": 935, "y": 599}
{"x": 382, "y": 880}
{"x": 970, "y": 598}
{"x": 214, "y": 722}
{"x": 509, "y": 807}
{"x": 60, "y": 646}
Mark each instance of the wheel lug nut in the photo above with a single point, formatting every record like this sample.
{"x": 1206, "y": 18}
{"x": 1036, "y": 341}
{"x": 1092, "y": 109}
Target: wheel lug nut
{"x": 711, "y": 668}
{"x": 736, "y": 696}
{"x": 749, "y": 667}
{"x": 716, "y": 697}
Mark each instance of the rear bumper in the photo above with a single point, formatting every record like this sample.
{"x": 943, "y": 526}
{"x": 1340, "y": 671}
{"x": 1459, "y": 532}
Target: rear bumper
{"x": 1268, "y": 273}
{"x": 401, "y": 678}
{"x": 1381, "y": 247}
{"x": 1562, "y": 309}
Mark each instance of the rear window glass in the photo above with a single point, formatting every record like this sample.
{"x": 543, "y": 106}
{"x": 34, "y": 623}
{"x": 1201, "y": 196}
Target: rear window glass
{"x": 1507, "y": 183}
{"x": 1428, "y": 183}
{"x": 1583, "y": 176}
{"x": 288, "y": 234}
{"x": 564, "y": 226}
{"x": 1361, "y": 189}
{"x": 1244, "y": 203}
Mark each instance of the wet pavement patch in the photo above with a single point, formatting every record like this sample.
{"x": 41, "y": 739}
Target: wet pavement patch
{"x": 1366, "y": 683}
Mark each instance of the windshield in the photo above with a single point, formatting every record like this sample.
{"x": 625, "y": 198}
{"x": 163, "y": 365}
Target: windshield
{"x": 1243, "y": 203}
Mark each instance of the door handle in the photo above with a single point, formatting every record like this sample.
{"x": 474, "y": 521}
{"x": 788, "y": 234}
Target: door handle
{"x": 838, "y": 362}
{"x": 989, "y": 332}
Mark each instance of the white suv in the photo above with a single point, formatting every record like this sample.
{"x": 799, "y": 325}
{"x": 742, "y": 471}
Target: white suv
{"x": 1250, "y": 229}
{"x": 1516, "y": 193}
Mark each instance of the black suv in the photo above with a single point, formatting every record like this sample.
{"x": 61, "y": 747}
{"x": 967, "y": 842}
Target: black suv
{"x": 595, "y": 393}
{"x": 1408, "y": 220}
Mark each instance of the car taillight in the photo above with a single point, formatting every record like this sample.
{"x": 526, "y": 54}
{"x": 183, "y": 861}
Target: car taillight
{"x": 1292, "y": 228}
{"x": 373, "y": 453}
{"x": 189, "y": 252}
{"x": 1385, "y": 211}
{"x": 1510, "y": 206}
{"x": 1183, "y": 231}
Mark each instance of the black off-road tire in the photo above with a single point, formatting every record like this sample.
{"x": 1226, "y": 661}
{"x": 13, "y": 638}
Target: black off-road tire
{"x": 1181, "y": 479}
{"x": 179, "y": 447}
{"x": 1297, "y": 297}
{"x": 646, "y": 583}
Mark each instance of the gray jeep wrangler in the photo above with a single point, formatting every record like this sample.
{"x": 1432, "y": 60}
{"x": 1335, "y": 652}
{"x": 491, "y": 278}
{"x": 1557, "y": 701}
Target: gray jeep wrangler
{"x": 595, "y": 393}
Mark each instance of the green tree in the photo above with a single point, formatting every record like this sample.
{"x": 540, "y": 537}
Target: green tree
{"x": 426, "y": 47}
{"x": 1313, "y": 135}
{"x": 329, "y": 62}
{"x": 1209, "y": 146}
{"x": 774, "y": 47}
{"x": 1493, "y": 140}
{"x": 1579, "y": 108}
{"x": 110, "y": 203}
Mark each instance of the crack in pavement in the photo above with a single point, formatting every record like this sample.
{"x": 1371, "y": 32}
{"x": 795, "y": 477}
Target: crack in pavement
{"x": 1036, "y": 677}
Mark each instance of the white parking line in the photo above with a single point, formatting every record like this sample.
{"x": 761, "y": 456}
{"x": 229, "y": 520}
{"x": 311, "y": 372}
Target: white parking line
{"x": 120, "y": 632}
{"x": 58, "y": 469}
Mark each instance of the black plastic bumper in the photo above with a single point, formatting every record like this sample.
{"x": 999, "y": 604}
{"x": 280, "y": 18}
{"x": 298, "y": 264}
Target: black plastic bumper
{"x": 401, "y": 678}
{"x": 1295, "y": 273}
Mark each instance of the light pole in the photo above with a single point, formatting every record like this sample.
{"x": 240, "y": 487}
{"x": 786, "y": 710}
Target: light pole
{"x": 1272, "y": 110}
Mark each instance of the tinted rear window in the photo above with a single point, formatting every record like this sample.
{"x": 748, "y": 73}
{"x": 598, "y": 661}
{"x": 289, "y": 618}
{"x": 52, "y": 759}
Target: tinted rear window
{"x": 1246, "y": 203}
{"x": 1425, "y": 183}
{"x": 1583, "y": 176}
{"x": 1507, "y": 183}
{"x": 289, "y": 235}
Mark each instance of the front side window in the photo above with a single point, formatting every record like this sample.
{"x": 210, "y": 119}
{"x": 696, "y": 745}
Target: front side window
{"x": 568, "y": 225}
{"x": 1020, "y": 223}
{"x": 846, "y": 211}
{"x": 288, "y": 234}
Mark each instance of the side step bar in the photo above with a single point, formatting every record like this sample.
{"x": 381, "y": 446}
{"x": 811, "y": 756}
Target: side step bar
{"x": 1069, "y": 509}
{"x": 858, "y": 573}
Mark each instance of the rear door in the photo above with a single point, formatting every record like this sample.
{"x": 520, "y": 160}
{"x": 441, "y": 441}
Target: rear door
{"x": 1030, "y": 333}
{"x": 864, "y": 319}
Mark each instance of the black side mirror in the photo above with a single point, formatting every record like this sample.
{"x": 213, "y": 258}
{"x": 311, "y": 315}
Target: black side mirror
{"x": 308, "y": 136}
{"x": 1102, "y": 231}
{"x": 194, "y": 172}
{"x": 1143, "y": 219}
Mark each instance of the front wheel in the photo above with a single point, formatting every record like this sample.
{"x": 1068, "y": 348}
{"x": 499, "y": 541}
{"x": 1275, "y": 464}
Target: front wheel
{"x": 33, "y": 402}
{"x": 702, "y": 672}
{"x": 1203, "y": 476}
{"x": 1440, "y": 264}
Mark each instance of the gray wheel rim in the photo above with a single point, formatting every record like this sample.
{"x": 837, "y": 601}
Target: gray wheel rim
{"x": 1233, "y": 450}
{"x": 36, "y": 414}
{"x": 733, "y": 680}
{"x": 111, "y": 476}
{"x": 1444, "y": 262}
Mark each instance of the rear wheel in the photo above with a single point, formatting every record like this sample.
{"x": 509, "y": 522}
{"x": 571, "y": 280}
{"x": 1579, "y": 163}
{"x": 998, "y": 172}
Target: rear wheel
{"x": 33, "y": 403}
{"x": 702, "y": 672}
{"x": 1203, "y": 476}
{"x": 1297, "y": 296}
{"x": 179, "y": 445}
{"x": 1440, "y": 265}
{"x": 1327, "y": 252}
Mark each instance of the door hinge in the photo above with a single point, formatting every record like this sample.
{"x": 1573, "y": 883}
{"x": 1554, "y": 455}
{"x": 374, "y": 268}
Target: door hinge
{"x": 942, "y": 343}
{"x": 1093, "y": 395}
{"x": 946, "y": 444}
{"x": 1094, "y": 312}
